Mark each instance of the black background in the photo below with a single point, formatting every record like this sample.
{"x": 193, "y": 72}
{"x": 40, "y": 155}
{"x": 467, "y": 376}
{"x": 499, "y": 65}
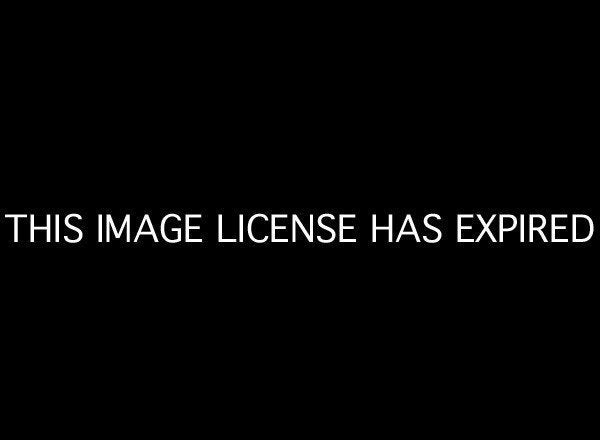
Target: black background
{"x": 386, "y": 112}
